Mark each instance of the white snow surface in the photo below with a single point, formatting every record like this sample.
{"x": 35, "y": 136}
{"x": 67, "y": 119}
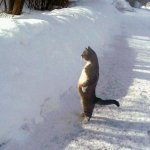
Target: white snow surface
{"x": 40, "y": 65}
{"x": 122, "y": 5}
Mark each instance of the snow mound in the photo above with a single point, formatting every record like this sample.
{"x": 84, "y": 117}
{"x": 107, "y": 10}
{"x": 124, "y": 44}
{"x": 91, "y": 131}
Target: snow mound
{"x": 122, "y": 5}
{"x": 40, "y": 66}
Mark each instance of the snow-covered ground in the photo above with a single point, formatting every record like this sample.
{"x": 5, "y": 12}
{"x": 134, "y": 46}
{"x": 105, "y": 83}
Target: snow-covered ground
{"x": 40, "y": 65}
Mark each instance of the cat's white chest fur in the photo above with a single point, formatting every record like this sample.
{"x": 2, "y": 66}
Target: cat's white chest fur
{"x": 83, "y": 77}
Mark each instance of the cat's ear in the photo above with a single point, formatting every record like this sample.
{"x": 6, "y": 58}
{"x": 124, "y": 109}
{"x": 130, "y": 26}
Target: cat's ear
{"x": 89, "y": 47}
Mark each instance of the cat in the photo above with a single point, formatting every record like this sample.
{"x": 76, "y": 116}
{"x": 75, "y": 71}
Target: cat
{"x": 87, "y": 85}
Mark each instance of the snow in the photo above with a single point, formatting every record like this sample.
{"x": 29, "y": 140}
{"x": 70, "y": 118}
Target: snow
{"x": 146, "y": 7}
{"x": 40, "y": 65}
{"x": 122, "y": 5}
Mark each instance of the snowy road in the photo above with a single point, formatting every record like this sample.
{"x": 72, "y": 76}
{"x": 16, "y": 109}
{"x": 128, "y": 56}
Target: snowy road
{"x": 127, "y": 79}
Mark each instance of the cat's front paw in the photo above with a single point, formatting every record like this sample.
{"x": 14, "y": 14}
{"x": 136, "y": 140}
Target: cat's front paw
{"x": 84, "y": 89}
{"x": 85, "y": 120}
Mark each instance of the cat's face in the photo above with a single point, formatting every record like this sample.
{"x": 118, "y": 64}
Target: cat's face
{"x": 88, "y": 54}
{"x": 85, "y": 54}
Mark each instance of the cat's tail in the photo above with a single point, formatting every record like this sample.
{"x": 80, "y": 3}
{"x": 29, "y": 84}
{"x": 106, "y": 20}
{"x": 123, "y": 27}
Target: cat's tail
{"x": 100, "y": 101}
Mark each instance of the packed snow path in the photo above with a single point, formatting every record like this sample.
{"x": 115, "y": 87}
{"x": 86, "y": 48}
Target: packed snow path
{"x": 129, "y": 126}
{"x": 128, "y": 80}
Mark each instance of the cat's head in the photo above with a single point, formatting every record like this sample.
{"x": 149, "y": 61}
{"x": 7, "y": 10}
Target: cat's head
{"x": 88, "y": 54}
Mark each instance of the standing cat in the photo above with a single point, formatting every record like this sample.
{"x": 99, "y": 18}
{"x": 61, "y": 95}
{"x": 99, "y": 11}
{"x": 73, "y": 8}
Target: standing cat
{"x": 87, "y": 85}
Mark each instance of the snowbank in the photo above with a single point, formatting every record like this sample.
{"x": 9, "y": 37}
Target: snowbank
{"x": 40, "y": 65}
